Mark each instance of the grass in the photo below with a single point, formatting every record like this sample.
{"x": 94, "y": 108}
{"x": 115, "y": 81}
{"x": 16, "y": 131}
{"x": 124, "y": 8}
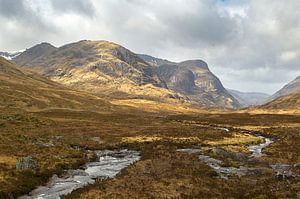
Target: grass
{"x": 50, "y": 136}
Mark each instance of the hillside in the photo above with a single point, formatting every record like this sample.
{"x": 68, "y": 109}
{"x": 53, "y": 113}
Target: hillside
{"x": 287, "y": 102}
{"x": 291, "y": 87}
{"x": 20, "y": 88}
{"x": 249, "y": 98}
{"x": 100, "y": 67}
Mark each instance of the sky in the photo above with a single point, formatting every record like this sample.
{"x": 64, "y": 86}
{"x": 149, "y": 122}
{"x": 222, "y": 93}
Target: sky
{"x": 251, "y": 45}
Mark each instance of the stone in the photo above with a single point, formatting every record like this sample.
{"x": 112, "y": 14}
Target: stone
{"x": 27, "y": 163}
{"x": 233, "y": 155}
{"x": 283, "y": 171}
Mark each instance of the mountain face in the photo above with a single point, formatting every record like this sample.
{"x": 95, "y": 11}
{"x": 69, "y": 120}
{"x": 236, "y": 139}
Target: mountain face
{"x": 21, "y": 88}
{"x": 193, "y": 79}
{"x": 153, "y": 61}
{"x": 291, "y": 87}
{"x": 109, "y": 69}
{"x": 32, "y": 53}
{"x": 10, "y": 55}
{"x": 249, "y": 98}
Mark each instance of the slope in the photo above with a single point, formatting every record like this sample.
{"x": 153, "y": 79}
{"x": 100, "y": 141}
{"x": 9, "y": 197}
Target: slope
{"x": 20, "y": 88}
{"x": 291, "y": 87}
{"x": 100, "y": 67}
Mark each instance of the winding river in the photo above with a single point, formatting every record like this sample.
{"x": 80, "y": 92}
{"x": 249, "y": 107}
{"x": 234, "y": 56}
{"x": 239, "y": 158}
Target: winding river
{"x": 108, "y": 165}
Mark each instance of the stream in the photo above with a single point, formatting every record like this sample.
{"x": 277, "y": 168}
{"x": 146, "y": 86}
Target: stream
{"x": 109, "y": 164}
{"x": 256, "y": 150}
{"x": 225, "y": 172}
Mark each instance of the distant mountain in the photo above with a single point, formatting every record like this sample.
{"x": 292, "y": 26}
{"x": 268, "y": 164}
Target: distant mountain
{"x": 10, "y": 55}
{"x": 193, "y": 79}
{"x": 291, "y": 87}
{"x": 249, "y": 98}
{"x": 106, "y": 68}
{"x": 286, "y": 102}
{"x": 21, "y": 88}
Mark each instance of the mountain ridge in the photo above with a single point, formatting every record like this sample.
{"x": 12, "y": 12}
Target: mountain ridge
{"x": 107, "y": 68}
{"x": 249, "y": 98}
{"x": 291, "y": 87}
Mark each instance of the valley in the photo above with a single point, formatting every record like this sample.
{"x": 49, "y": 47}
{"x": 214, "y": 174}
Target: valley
{"x": 93, "y": 120}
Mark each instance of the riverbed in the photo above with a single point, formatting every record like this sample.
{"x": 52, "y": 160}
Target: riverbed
{"x": 108, "y": 165}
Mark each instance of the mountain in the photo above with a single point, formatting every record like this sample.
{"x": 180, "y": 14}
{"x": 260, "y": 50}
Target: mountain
{"x": 10, "y": 55}
{"x": 32, "y": 53}
{"x": 286, "y": 102}
{"x": 21, "y": 88}
{"x": 249, "y": 98}
{"x": 193, "y": 79}
{"x": 106, "y": 68}
{"x": 100, "y": 67}
{"x": 291, "y": 87}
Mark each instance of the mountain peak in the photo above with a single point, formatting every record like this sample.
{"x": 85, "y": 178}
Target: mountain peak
{"x": 194, "y": 63}
{"x": 34, "y": 52}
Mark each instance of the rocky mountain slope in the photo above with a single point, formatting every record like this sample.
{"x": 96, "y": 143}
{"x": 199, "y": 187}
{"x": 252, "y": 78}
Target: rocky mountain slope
{"x": 249, "y": 98}
{"x": 153, "y": 61}
{"x": 109, "y": 69}
{"x": 21, "y": 88}
{"x": 193, "y": 79}
{"x": 293, "y": 86}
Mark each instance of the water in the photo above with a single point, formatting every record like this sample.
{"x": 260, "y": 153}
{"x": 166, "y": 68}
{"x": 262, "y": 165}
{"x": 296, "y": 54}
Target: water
{"x": 224, "y": 172}
{"x": 109, "y": 164}
{"x": 256, "y": 150}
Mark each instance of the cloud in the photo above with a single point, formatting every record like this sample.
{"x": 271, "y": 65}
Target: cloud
{"x": 251, "y": 45}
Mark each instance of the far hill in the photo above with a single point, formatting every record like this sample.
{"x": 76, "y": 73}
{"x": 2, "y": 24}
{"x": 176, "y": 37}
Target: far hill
{"x": 293, "y": 86}
{"x": 249, "y": 98}
{"x": 20, "y": 88}
{"x": 288, "y": 102}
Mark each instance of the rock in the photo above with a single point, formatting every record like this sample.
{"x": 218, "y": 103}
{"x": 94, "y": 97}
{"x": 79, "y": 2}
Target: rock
{"x": 27, "y": 163}
{"x": 298, "y": 195}
{"x": 282, "y": 171}
{"x": 232, "y": 155}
